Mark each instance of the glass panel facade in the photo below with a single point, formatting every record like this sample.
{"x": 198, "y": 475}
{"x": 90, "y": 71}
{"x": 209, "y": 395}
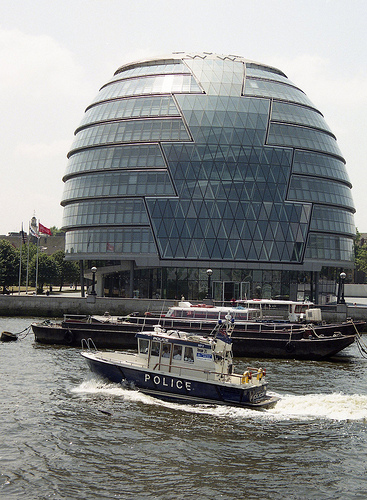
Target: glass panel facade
{"x": 317, "y": 190}
{"x": 230, "y": 205}
{"x": 299, "y": 115}
{"x": 206, "y": 159}
{"x": 131, "y": 108}
{"x": 260, "y": 72}
{"x": 101, "y": 212}
{"x": 218, "y": 77}
{"x": 132, "y": 131}
{"x": 332, "y": 220}
{"x": 230, "y": 230}
{"x": 110, "y": 241}
{"x": 276, "y": 90}
{"x": 329, "y": 248}
{"x": 316, "y": 164}
{"x": 102, "y": 158}
{"x": 152, "y": 69}
{"x": 225, "y": 120}
{"x": 192, "y": 283}
{"x": 302, "y": 137}
{"x": 118, "y": 184}
{"x": 227, "y": 173}
{"x": 148, "y": 85}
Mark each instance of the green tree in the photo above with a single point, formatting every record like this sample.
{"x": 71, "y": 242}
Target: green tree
{"x": 47, "y": 270}
{"x": 9, "y": 264}
{"x": 67, "y": 271}
{"x": 55, "y": 231}
{"x": 361, "y": 258}
{"x": 360, "y": 254}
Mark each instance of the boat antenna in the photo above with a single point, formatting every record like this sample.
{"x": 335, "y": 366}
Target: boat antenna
{"x": 163, "y": 307}
{"x": 227, "y": 324}
{"x": 145, "y": 317}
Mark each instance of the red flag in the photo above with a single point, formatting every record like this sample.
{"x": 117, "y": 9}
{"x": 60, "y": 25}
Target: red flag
{"x": 44, "y": 229}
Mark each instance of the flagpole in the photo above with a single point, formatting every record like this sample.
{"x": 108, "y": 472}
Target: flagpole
{"x": 26, "y": 283}
{"x": 20, "y": 259}
{"x": 38, "y": 244}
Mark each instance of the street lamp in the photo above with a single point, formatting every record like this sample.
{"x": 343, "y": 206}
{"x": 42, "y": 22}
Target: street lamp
{"x": 209, "y": 272}
{"x": 94, "y": 270}
{"x": 340, "y": 299}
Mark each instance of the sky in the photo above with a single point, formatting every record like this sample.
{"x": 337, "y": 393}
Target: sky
{"x": 55, "y": 55}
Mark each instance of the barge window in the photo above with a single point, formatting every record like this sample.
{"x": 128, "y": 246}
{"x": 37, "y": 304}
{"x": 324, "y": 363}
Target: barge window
{"x": 155, "y": 348}
{"x": 177, "y": 352}
{"x": 143, "y": 346}
{"x": 189, "y": 354}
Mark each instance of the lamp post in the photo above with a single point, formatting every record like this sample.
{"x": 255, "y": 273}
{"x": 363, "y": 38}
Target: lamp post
{"x": 340, "y": 299}
{"x": 93, "y": 291}
{"x": 209, "y": 272}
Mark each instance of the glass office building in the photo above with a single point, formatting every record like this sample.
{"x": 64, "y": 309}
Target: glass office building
{"x": 197, "y": 161}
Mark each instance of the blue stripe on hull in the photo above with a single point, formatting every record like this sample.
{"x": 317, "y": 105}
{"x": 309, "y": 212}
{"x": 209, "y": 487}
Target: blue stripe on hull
{"x": 180, "y": 389}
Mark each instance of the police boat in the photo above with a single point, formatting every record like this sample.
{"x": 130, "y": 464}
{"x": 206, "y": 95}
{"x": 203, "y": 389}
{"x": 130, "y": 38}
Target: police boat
{"x": 183, "y": 367}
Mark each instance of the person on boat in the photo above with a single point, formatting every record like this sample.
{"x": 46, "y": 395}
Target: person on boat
{"x": 165, "y": 353}
{"x": 177, "y": 353}
{"x": 189, "y": 355}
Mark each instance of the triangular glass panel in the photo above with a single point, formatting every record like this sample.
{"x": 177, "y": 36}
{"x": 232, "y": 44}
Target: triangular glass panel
{"x": 252, "y": 254}
{"x": 246, "y": 244}
{"x": 269, "y": 248}
{"x": 174, "y": 232}
{"x": 173, "y": 244}
{"x": 263, "y": 254}
{"x": 275, "y": 256}
{"x": 185, "y": 244}
{"x": 237, "y": 250}
{"x": 180, "y": 253}
{"x": 192, "y": 252}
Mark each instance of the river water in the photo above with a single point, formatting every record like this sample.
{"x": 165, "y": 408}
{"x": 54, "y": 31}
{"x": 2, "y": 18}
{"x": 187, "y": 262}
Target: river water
{"x": 66, "y": 435}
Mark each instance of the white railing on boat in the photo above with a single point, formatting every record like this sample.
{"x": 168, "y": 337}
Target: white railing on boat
{"x": 89, "y": 345}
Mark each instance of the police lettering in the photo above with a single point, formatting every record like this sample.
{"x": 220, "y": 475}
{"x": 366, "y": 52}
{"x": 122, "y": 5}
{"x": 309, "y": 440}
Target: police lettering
{"x": 168, "y": 382}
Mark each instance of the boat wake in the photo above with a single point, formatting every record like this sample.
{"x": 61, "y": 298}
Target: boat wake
{"x": 335, "y": 406}
{"x": 96, "y": 387}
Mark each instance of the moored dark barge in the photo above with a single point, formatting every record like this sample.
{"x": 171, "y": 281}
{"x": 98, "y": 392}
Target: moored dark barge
{"x": 261, "y": 340}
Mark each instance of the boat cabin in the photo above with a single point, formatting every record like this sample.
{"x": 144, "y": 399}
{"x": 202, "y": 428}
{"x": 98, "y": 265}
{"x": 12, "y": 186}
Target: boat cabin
{"x": 186, "y": 310}
{"x": 277, "y": 309}
{"x": 177, "y": 352}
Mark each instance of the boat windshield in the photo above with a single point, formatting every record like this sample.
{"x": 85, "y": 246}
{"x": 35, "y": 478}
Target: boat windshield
{"x": 155, "y": 348}
{"x": 177, "y": 352}
{"x": 189, "y": 354}
{"x": 143, "y": 346}
{"x": 166, "y": 350}
{"x": 172, "y": 352}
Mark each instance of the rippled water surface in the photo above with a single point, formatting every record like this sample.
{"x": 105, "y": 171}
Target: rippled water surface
{"x": 65, "y": 435}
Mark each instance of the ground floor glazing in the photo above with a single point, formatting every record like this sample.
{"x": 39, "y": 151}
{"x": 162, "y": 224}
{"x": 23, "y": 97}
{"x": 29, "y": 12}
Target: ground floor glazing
{"x": 222, "y": 284}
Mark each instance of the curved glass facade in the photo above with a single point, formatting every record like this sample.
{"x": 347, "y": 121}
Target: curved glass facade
{"x": 201, "y": 160}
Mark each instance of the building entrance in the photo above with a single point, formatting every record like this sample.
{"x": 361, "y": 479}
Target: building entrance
{"x": 225, "y": 291}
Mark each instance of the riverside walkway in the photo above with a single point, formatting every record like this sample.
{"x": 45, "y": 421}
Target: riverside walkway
{"x": 57, "y": 304}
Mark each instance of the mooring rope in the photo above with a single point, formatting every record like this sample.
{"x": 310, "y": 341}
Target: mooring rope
{"x": 19, "y": 335}
{"x": 311, "y": 327}
{"x": 361, "y": 345}
{"x": 26, "y": 330}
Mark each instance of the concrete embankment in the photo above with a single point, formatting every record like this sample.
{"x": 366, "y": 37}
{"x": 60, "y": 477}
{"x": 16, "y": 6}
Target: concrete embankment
{"x": 55, "y": 306}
